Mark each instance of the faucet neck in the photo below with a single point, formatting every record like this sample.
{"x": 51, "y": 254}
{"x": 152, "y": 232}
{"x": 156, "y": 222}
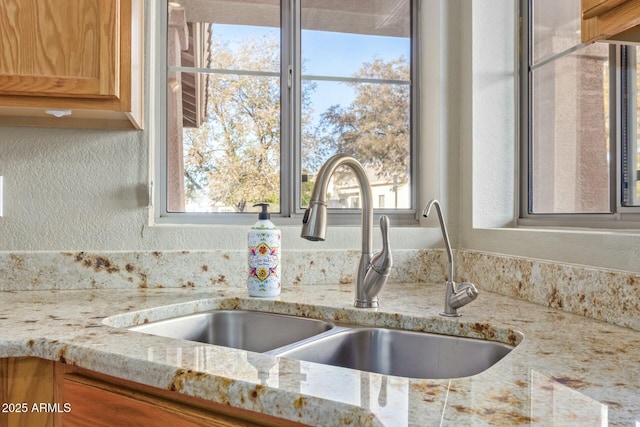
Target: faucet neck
{"x": 320, "y": 194}
{"x": 373, "y": 271}
{"x": 445, "y": 235}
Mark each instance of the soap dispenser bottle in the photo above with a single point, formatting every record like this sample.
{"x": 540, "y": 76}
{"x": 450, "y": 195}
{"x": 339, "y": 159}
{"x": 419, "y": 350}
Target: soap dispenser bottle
{"x": 264, "y": 256}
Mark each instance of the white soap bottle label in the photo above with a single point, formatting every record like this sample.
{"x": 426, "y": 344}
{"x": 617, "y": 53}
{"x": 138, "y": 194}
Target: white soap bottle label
{"x": 264, "y": 244}
{"x": 264, "y": 263}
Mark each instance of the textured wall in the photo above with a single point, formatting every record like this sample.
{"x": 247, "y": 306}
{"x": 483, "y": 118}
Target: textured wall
{"x": 72, "y": 188}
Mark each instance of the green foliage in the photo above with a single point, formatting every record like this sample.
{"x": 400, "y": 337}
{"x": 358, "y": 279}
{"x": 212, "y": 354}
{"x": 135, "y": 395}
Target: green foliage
{"x": 375, "y": 128}
{"x": 235, "y": 155}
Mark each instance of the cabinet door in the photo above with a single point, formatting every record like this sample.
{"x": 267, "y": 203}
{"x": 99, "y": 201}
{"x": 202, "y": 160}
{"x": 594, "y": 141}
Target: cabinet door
{"x": 60, "y": 48}
{"x": 57, "y": 394}
{"x": 97, "y": 404}
{"x": 25, "y": 382}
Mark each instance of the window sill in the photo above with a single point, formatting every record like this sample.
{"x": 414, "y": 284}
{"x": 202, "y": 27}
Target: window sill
{"x": 346, "y": 218}
{"x": 628, "y": 222}
{"x": 600, "y": 247}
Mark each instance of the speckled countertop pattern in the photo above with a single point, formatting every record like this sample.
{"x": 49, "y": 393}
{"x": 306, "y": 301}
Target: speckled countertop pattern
{"x": 608, "y": 295}
{"x": 565, "y": 370}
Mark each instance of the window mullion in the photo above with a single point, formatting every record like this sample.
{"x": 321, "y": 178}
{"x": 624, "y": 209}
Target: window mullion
{"x": 628, "y": 175}
{"x": 632, "y": 120}
{"x": 287, "y": 119}
{"x": 619, "y": 118}
{"x": 615, "y": 107}
{"x": 296, "y": 96}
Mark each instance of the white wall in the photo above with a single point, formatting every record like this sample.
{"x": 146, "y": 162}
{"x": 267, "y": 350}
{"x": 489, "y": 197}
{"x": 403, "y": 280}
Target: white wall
{"x": 440, "y": 167}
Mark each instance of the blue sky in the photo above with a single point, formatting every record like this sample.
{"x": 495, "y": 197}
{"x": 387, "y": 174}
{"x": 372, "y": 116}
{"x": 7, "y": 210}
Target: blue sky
{"x": 340, "y": 54}
{"x": 329, "y": 54}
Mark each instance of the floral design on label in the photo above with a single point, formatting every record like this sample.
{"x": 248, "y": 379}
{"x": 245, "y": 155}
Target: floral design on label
{"x": 264, "y": 263}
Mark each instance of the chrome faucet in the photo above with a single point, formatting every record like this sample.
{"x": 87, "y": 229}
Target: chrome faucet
{"x": 456, "y": 295}
{"x": 373, "y": 270}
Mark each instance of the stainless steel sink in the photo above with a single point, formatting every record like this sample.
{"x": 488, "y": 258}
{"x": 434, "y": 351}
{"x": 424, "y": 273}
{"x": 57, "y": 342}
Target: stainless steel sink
{"x": 246, "y": 330}
{"x": 400, "y": 353}
{"x": 381, "y": 350}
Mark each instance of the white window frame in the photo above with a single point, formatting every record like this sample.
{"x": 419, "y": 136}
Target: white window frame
{"x": 290, "y": 189}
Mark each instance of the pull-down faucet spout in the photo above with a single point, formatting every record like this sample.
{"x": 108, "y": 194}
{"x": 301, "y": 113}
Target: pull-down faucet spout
{"x": 373, "y": 270}
{"x": 456, "y": 295}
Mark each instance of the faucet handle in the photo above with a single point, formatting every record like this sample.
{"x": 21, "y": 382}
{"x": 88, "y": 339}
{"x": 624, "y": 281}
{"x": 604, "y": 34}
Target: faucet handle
{"x": 378, "y": 269}
{"x": 465, "y": 293}
{"x": 383, "y": 260}
{"x": 384, "y": 230}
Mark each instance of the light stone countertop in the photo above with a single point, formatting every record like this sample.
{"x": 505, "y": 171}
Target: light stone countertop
{"x": 568, "y": 370}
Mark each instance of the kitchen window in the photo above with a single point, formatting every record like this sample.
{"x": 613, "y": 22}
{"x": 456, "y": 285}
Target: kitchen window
{"x": 579, "y": 152}
{"x": 260, "y": 93}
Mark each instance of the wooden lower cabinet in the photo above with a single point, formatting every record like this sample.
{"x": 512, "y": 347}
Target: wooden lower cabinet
{"x": 67, "y": 396}
{"x": 23, "y": 383}
{"x": 99, "y": 404}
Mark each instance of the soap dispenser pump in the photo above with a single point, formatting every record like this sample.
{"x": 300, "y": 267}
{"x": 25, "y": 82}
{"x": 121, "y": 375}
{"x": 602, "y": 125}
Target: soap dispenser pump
{"x": 264, "y": 241}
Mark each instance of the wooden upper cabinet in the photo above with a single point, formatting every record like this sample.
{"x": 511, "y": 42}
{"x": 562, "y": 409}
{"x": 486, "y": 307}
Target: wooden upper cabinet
{"x": 592, "y": 8}
{"x": 72, "y": 52}
{"x": 610, "y": 20}
{"x": 81, "y": 59}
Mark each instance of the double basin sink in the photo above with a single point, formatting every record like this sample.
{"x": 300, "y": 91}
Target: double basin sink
{"x": 366, "y": 348}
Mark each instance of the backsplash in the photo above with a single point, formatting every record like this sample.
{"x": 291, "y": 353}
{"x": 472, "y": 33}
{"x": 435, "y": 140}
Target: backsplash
{"x": 607, "y": 295}
{"x": 196, "y": 269}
